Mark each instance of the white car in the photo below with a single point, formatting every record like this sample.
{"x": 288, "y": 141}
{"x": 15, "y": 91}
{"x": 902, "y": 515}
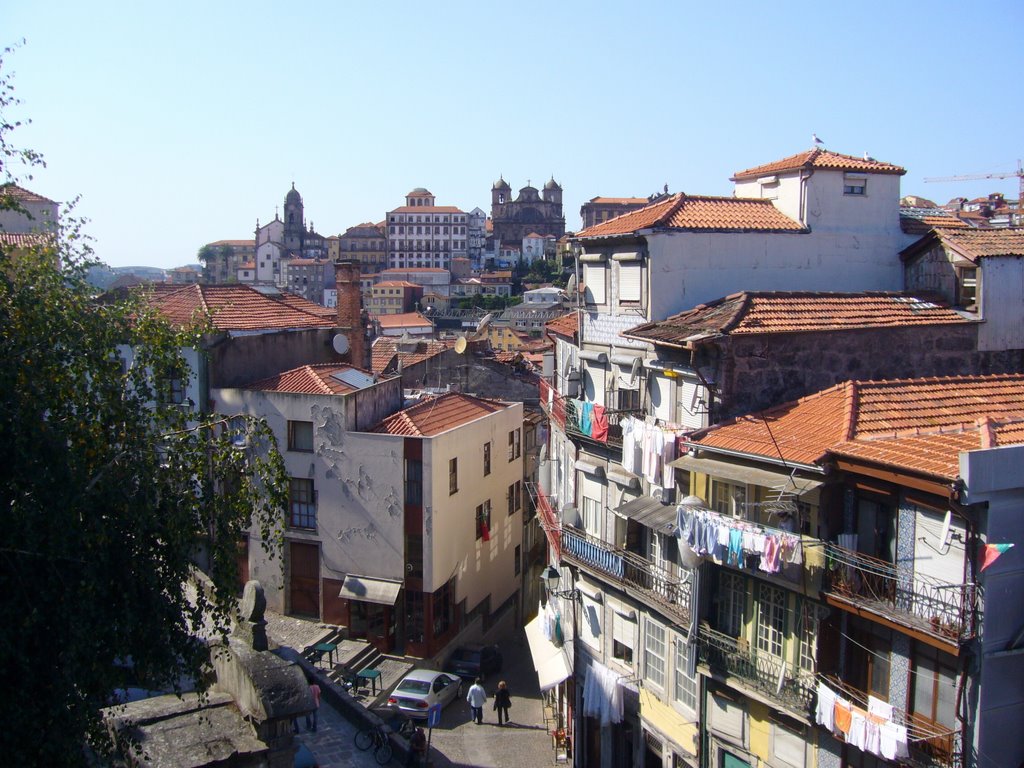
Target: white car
{"x": 421, "y": 688}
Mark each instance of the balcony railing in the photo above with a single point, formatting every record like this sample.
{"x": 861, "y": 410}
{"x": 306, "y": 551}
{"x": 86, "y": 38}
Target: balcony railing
{"x": 669, "y": 591}
{"x": 914, "y": 599}
{"x": 549, "y": 521}
{"x": 931, "y": 745}
{"x": 552, "y": 403}
{"x": 769, "y": 675}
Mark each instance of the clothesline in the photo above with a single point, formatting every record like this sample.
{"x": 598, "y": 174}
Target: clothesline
{"x": 915, "y": 731}
{"x": 731, "y": 541}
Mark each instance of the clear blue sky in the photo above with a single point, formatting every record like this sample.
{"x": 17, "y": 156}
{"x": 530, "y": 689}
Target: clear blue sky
{"x": 181, "y": 124}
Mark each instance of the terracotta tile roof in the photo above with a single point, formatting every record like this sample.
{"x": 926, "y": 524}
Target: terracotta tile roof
{"x": 313, "y": 380}
{"x": 436, "y": 415}
{"x": 413, "y": 269}
{"x": 567, "y": 325}
{"x": 920, "y": 221}
{"x": 618, "y": 200}
{"x": 404, "y": 320}
{"x": 385, "y": 352}
{"x": 977, "y": 243}
{"x": 916, "y": 425}
{"x": 796, "y": 312}
{"x": 819, "y": 159}
{"x": 247, "y": 265}
{"x": 13, "y": 191}
{"x": 233, "y": 308}
{"x": 305, "y": 305}
{"x": 699, "y": 213}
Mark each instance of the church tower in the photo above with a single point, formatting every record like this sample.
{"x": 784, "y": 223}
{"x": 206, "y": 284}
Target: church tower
{"x": 294, "y": 223}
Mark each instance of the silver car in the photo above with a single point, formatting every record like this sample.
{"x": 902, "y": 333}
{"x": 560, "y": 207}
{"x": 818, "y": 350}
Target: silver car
{"x": 422, "y": 688}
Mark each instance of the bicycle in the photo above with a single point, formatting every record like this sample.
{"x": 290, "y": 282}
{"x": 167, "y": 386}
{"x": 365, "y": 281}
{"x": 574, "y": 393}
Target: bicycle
{"x": 375, "y": 736}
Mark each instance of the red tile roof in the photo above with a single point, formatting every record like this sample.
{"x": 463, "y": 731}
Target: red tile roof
{"x": 819, "y": 159}
{"x": 977, "y": 243}
{"x": 13, "y": 191}
{"x": 404, "y": 320}
{"x": 436, "y": 415}
{"x": 917, "y": 425}
{"x": 386, "y": 349}
{"x": 567, "y": 325}
{"x": 305, "y": 305}
{"x": 618, "y": 200}
{"x": 920, "y": 221}
{"x": 25, "y": 239}
{"x": 796, "y": 312}
{"x": 310, "y": 380}
{"x": 234, "y": 308}
{"x": 699, "y": 213}
{"x": 236, "y": 243}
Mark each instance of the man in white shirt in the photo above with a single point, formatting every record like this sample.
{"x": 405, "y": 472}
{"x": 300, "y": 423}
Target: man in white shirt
{"x": 476, "y": 697}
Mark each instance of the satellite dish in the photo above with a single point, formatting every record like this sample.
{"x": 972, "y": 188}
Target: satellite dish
{"x": 570, "y": 286}
{"x": 946, "y": 535}
{"x": 340, "y": 343}
{"x": 460, "y": 345}
{"x": 484, "y": 321}
{"x": 634, "y": 371}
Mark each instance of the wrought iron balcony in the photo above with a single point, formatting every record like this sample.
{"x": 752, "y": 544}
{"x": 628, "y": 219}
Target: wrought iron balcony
{"x": 930, "y": 745}
{"x": 731, "y": 657}
{"x": 913, "y": 599}
{"x": 670, "y": 592}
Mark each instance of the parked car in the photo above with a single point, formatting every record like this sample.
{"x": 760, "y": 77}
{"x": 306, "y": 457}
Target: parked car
{"x": 421, "y": 688}
{"x": 473, "y": 661}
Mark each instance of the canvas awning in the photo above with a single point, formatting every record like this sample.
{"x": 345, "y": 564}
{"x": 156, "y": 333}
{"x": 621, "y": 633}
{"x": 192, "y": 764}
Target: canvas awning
{"x": 550, "y": 661}
{"x": 367, "y": 589}
{"x": 740, "y": 473}
{"x": 648, "y": 511}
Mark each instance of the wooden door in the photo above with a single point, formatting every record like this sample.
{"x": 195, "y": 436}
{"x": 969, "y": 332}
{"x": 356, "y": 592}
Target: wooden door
{"x": 304, "y": 579}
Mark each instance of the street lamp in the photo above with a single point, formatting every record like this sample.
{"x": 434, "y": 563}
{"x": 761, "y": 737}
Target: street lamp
{"x": 550, "y": 578}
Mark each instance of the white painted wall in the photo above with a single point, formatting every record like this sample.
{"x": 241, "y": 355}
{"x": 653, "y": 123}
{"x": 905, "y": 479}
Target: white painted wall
{"x": 450, "y": 545}
{"x": 1002, "y": 303}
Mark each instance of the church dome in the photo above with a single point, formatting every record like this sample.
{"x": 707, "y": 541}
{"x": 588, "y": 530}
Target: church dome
{"x": 293, "y": 196}
{"x": 501, "y": 184}
{"x": 552, "y": 184}
{"x": 420, "y": 191}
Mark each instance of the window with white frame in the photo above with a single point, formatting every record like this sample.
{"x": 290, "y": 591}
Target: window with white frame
{"x": 590, "y": 626}
{"x": 654, "y": 654}
{"x": 967, "y": 287}
{"x": 732, "y": 597}
{"x": 808, "y": 637}
{"x": 771, "y": 619}
{"x": 623, "y": 636}
{"x": 630, "y": 282}
{"x": 300, "y": 436}
{"x": 592, "y": 516}
{"x": 685, "y": 688}
{"x": 855, "y": 185}
{"x": 728, "y": 498}
{"x": 594, "y": 280}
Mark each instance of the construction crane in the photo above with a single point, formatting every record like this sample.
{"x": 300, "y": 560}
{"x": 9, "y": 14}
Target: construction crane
{"x": 1019, "y": 173}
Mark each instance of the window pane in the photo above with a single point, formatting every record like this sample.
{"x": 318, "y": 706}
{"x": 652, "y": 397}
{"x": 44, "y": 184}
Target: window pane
{"x": 654, "y": 656}
{"x": 300, "y": 436}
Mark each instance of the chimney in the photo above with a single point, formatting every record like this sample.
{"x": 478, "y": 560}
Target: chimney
{"x": 350, "y": 305}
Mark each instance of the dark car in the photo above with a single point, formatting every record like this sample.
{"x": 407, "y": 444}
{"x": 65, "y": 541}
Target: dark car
{"x": 472, "y": 661}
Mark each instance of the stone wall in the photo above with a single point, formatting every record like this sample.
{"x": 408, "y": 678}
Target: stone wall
{"x": 764, "y": 370}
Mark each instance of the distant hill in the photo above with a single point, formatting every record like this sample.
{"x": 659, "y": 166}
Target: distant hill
{"x": 103, "y": 276}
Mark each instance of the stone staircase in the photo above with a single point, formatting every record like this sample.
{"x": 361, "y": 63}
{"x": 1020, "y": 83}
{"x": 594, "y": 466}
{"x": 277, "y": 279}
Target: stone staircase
{"x": 351, "y": 657}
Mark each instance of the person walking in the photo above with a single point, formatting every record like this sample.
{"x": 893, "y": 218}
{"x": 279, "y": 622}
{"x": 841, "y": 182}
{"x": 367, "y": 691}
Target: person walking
{"x": 502, "y": 701}
{"x": 477, "y": 697}
{"x": 311, "y": 717}
{"x": 417, "y": 749}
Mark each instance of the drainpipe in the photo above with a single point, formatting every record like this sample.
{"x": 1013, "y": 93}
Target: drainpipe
{"x": 803, "y": 195}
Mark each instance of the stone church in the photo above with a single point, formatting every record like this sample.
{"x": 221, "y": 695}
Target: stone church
{"x": 531, "y": 212}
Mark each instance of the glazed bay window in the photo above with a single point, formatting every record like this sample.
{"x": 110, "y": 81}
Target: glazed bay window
{"x": 302, "y": 503}
{"x": 483, "y": 520}
{"x": 515, "y": 446}
{"x": 300, "y": 436}
{"x": 771, "y": 619}
{"x": 654, "y": 654}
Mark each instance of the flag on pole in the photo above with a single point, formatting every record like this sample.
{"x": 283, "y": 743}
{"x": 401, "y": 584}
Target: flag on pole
{"x": 990, "y": 553}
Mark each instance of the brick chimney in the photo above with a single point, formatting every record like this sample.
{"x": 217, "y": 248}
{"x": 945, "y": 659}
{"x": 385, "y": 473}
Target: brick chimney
{"x": 350, "y": 305}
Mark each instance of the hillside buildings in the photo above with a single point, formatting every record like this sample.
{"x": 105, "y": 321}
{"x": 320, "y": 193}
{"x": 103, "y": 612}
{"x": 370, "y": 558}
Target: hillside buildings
{"x": 424, "y": 234}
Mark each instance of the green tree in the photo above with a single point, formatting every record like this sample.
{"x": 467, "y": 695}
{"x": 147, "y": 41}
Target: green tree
{"x": 111, "y": 493}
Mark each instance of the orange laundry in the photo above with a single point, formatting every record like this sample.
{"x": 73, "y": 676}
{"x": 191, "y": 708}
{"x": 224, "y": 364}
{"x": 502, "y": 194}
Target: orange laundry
{"x": 842, "y": 717}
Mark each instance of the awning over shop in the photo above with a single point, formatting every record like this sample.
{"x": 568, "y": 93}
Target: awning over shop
{"x": 648, "y": 511}
{"x": 739, "y": 473}
{"x": 370, "y": 590}
{"x": 550, "y": 661}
